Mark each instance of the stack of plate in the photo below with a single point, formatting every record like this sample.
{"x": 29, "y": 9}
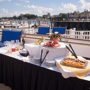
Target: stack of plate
{"x": 50, "y": 62}
{"x": 36, "y": 59}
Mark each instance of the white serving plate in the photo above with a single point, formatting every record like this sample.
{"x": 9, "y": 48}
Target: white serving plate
{"x": 36, "y": 59}
{"x": 23, "y": 51}
{"x": 50, "y": 62}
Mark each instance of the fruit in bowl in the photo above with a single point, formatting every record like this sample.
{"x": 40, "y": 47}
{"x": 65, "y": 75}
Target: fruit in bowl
{"x": 51, "y": 44}
{"x": 55, "y": 40}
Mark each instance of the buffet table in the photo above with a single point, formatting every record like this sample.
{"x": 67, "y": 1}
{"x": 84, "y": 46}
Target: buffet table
{"x": 21, "y": 74}
{"x": 35, "y": 50}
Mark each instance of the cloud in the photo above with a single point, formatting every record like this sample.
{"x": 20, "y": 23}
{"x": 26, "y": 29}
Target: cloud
{"x": 4, "y": 0}
{"x": 17, "y": 4}
{"x": 27, "y": 1}
{"x": 85, "y": 5}
{"x": 68, "y": 7}
{"x": 39, "y": 10}
{"x": 60, "y": 8}
{"x": 16, "y": 13}
{"x": 4, "y": 11}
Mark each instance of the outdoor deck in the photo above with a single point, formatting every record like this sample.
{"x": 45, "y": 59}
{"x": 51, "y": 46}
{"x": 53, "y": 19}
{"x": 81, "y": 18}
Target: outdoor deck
{"x": 81, "y": 46}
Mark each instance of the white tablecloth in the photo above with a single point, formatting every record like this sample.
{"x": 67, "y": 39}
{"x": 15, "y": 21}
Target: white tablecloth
{"x": 34, "y": 50}
{"x": 65, "y": 73}
{"x": 53, "y": 52}
{"x": 56, "y": 52}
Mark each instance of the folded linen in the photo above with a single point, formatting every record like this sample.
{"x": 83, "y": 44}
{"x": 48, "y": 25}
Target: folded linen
{"x": 78, "y": 72}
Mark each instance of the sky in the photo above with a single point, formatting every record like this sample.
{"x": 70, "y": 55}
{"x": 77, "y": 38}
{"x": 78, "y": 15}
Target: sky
{"x": 9, "y": 8}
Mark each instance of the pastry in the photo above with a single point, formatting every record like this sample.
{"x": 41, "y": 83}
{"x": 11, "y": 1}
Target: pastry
{"x": 9, "y": 51}
{"x": 16, "y": 48}
{"x": 74, "y": 62}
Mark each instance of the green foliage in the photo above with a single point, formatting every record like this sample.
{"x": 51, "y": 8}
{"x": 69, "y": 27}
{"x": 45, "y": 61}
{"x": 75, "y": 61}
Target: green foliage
{"x": 14, "y": 17}
{"x": 29, "y": 16}
{"x": 55, "y": 35}
{"x": 62, "y": 15}
{"x": 22, "y": 16}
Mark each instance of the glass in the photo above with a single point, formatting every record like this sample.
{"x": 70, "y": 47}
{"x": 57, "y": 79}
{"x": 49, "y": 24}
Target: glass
{"x": 6, "y": 43}
{"x": 17, "y": 45}
{"x": 8, "y": 46}
{"x": 13, "y": 49}
{"x": 13, "y": 45}
{"x": 17, "y": 41}
{"x": 12, "y": 42}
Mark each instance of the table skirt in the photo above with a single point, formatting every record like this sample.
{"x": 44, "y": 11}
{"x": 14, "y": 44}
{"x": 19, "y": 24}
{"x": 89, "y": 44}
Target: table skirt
{"x": 21, "y": 75}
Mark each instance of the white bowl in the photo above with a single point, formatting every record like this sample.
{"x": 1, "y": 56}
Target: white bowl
{"x": 23, "y": 51}
{"x": 50, "y": 62}
{"x": 36, "y": 59}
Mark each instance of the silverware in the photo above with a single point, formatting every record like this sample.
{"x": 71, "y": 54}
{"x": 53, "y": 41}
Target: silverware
{"x": 41, "y": 60}
{"x": 41, "y": 57}
{"x": 73, "y": 52}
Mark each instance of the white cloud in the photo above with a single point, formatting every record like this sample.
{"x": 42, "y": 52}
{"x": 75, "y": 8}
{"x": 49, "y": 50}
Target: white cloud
{"x": 4, "y": 0}
{"x": 82, "y": 2}
{"x": 85, "y": 5}
{"x": 17, "y": 4}
{"x": 18, "y": 13}
{"x": 31, "y": 7}
{"x": 39, "y": 10}
{"x": 60, "y": 8}
{"x": 69, "y": 7}
{"x": 4, "y": 11}
{"x": 27, "y": 1}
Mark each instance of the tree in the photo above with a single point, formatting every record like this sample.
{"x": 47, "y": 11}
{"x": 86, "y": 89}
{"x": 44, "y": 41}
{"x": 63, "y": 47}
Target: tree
{"x": 14, "y": 17}
{"x": 62, "y": 15}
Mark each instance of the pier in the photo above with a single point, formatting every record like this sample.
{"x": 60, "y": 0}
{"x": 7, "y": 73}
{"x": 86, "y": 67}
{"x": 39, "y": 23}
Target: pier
{"x": 79, "y": 25}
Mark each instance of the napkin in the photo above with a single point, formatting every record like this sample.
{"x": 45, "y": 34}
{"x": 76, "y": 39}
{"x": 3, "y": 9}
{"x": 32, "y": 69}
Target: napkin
{"x": 78, "y": 72}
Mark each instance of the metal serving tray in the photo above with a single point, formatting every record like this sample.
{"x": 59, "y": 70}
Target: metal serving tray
{"x": 61, "y": 62}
